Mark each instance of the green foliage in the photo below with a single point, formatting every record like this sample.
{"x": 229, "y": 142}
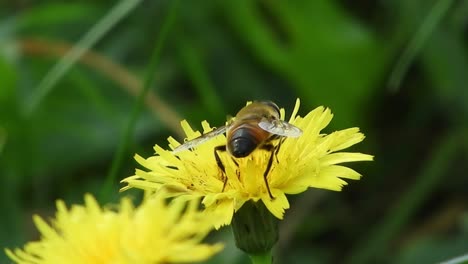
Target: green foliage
{"x": 397, "y": 69}
{"x": 318, "y": 53}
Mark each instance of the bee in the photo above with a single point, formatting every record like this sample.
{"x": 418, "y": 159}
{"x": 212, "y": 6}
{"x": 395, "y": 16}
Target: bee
{"x": 255, "y": 126}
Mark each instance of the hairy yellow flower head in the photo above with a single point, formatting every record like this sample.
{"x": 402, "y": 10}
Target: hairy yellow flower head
{"x": 310, "y": 160}
{"x": 154, "y": 232}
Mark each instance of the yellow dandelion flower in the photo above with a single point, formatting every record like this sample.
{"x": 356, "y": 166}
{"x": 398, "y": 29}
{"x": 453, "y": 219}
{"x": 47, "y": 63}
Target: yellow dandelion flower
{"x": 310, "y": 160}
{"x": 154, "y": 232}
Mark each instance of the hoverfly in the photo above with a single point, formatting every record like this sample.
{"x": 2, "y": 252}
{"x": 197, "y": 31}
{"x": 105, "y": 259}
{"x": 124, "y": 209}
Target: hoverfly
{"x": 254, "y": 127}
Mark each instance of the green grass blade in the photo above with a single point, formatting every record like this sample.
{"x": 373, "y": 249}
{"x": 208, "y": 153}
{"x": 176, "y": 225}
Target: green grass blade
{"x": 137, "y": 108}
{"x": 201, "y": 80}
{"x": 3, "y": 139}
{"x": 415, "y": 45}
{"x": 457, "y": 260}
{"x": 116, "y": 14}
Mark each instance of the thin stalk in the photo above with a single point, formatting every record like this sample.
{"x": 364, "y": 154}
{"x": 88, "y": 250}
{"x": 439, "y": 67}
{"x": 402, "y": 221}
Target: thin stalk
{"x": 137, "y": 108}
{"x": 415, "y": 45}
{"x": 116, "y": 14}
{"x": 457, "y": 260}
{"x": 111, "y": 70}
{"x": 262, "y": 259}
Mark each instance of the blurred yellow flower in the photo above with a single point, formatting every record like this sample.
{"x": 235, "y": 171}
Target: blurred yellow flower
{"x": 154, "y": 232}
{"x": 310, "y": 160}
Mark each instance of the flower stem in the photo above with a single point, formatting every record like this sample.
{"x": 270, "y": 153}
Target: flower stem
{"x": 265, "y": 258}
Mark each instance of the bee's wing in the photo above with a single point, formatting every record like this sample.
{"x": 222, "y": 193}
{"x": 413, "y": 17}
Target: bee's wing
{"x": 280, "y": 127}
{"x": 201, "y": 139}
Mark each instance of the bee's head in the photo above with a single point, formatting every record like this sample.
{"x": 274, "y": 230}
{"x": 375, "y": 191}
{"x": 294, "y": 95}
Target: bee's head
{"x": 274, "y": 107}
{"x": 258, "y": 110}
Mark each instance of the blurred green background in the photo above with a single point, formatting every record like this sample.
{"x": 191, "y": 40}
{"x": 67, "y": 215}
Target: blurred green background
{"x": 396, "y": 69}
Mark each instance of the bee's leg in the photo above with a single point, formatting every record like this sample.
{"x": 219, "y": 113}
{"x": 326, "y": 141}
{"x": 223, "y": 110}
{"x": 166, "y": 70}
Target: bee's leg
{"x": 272, "y": 149}
{"x": 235, "y": 162}
{"x": 220, "y": 163}
{"x": 269, "y": 146}
{"x": 277, "y": 148}
{"x": 267, "y": 170}
{"x": 237, "y": 165}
